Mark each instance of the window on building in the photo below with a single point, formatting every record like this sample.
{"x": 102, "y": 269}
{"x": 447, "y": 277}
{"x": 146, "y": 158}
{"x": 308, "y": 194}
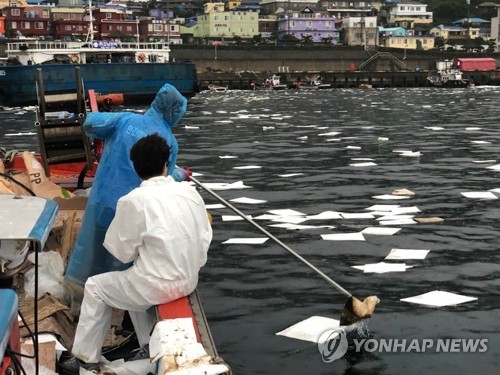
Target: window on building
{"x": 150, "y": 27}
{"x": 108, "y": 15}
{"x": 226, "y": 18}
{"x": 67, "y": 27}
{"x": 129, "y": 28}
{"x": 157, "y": 27}
{"x": 79, "y": 28}
{"x": 292, "y": 23}
{"x": 39, "y": 25}
{"x": 13, "y": 24}
{"x": 45, "y": 13}
{"x": 119, "y": 27}
{"x": 15, "y": 12}
{"x": 328, "y": 24}
{"x": 72, "y": 16}
{"x": 308, "y": 23}
{"x": 25, "y": 25}
{"x": 216, "y": 18}
{"x": 173, "y": 28}
{"x": 108, "y": 28}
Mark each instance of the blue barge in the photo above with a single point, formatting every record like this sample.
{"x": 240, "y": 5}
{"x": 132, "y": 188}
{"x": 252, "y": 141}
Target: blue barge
{"x": 137, "y": 82}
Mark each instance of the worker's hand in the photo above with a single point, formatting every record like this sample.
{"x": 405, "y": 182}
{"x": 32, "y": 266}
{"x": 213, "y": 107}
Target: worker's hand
{"x": 181, "y": 174}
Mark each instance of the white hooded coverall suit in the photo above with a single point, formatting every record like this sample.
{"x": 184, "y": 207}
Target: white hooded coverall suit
{"x": 162, "y": 226}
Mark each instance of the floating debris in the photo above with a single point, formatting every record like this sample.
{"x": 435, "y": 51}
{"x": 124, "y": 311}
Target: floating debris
{"x": 403, "y": 192}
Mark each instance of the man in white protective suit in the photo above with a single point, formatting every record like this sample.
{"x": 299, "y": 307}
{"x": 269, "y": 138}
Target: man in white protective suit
{"x": 163, "y": 227}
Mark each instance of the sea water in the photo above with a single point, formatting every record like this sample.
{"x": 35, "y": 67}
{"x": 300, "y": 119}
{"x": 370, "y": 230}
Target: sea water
{"x": 250, "y": 292}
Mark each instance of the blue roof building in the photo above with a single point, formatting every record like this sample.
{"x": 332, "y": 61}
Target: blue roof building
{"x": 391, "y": 31}
{"x": 478, "y": 21}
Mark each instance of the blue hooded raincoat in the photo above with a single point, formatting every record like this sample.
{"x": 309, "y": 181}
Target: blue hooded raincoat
{"x": 116, "y": 177}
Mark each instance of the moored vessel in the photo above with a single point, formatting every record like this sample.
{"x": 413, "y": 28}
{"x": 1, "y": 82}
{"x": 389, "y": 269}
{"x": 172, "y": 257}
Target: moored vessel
{"x": 447, "y": 75}
{"x": 137, "y": 70}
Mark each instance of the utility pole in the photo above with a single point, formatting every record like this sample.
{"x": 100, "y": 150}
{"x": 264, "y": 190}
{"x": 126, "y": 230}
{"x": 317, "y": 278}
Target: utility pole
{"x": 137, "y": 29}
{"x": 288, "y": 18}
{"x": 363, "y": 32}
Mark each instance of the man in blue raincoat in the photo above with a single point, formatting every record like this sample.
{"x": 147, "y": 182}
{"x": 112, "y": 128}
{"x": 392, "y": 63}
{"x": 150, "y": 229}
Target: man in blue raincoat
{"x": 115, "y": 176}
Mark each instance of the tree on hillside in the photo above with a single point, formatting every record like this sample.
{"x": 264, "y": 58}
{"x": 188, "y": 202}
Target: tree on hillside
{"x": 289, "y": 40}
{"x": 327, "y": 40}
{"x": 445, "y": 12}
{"x": 439, "y": 43}
{"x": 492, "y": 44}
{"x": 306, "y": 40}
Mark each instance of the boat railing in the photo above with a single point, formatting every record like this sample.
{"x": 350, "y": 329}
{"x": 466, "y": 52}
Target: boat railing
{"x": 62, "y": 45}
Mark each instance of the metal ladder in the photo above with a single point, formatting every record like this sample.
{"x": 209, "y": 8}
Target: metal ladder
{"x": 59, "y": 124}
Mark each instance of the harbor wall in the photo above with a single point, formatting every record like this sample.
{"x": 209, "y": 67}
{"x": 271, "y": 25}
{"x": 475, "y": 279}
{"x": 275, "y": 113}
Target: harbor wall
{"x": 242, "y": 67}
{"x": 308, "y": 58}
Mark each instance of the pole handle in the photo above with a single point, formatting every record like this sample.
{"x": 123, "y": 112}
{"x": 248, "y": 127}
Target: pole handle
{"x": 287, "y": 248}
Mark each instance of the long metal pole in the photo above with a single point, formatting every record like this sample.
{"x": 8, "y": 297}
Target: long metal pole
{"x": 291, "y": 251}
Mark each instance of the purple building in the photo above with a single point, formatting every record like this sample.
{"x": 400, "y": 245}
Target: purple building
{"x": 308, "y": 22}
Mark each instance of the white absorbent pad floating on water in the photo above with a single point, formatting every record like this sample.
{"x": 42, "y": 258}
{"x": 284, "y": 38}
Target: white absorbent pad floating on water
{"x": 391, "y": 197}
{"x": 360, "y": 165}
{"x": 358, "y": 236}
{"x": 246, "y": 241}
{"x": 214, "y": 206}
{"x": 290, "y": 219}
{"x": 246, "y": 200}
{"x": 380, "y": 231}
{"x": 226, "y": 185}
{"x": 400, "y": 254}
{"x": 479, "y": 195}
{"x": 326, "y": 215}
{"x": 248, "y": 167}
{"x": 300, "y": 227}
{"x": 382, "y": 267}
{"x": 290, "y": 174}
{"x": 286, "y": 212}
{"x": 234, "y": 217}
{"x": 439, "y": 298}
{"x": 357, "y": 215}
{"x": 310, "y": 329}
{"x": 383, "y": 207}
{"x": 397, "y": 222}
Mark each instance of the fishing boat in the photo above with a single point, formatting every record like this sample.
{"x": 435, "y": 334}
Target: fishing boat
{"x": 137, "y": 70}
{"x": 315, "y": 84}
{"x": 213, "y": 87}
{"x": 274, "y": 83}
{"x": 40, "y": 223}
{"x": 447, "y": 75}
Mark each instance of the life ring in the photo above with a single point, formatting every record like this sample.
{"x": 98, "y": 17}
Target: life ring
{"x": 74, "y": 57}
{"x": 142, "y": 57}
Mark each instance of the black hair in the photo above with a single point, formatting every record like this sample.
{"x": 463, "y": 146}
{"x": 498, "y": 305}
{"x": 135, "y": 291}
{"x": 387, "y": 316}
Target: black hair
{"x": 149, "y": 156}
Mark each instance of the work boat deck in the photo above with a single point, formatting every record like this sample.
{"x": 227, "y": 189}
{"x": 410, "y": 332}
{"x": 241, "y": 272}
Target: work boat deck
{"x": 46, "y": 226}
{"x": 38, "y": 52}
